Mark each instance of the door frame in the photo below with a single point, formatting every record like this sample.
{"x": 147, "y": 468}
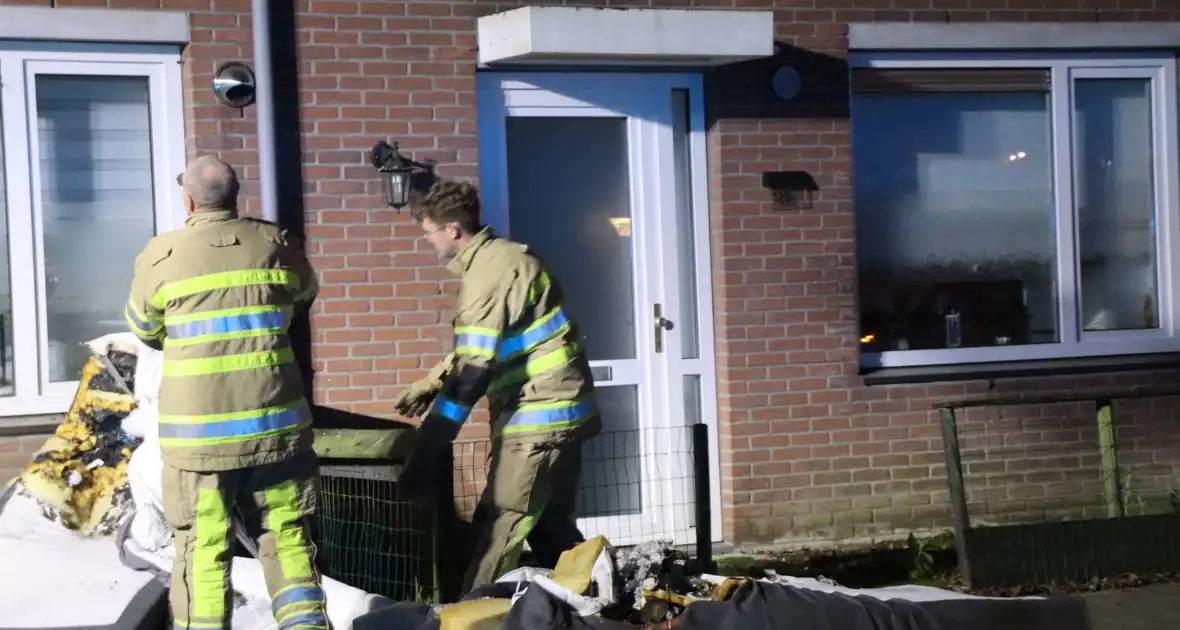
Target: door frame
{"x": 591, "y": 93}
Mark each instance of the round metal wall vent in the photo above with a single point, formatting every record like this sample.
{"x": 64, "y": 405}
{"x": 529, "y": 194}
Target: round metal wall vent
{"x": 233, "y": 84}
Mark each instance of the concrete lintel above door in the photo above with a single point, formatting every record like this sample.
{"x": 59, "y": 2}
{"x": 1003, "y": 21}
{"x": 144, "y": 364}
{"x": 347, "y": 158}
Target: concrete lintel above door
{"x": 624, "y": 37}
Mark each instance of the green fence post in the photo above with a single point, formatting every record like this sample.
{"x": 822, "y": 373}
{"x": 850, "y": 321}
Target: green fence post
{"x": 958, "y": 491}
{"x": 1112, "y": 482}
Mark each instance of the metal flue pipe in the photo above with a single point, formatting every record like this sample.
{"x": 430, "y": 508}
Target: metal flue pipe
{"x": 264, "y": 101}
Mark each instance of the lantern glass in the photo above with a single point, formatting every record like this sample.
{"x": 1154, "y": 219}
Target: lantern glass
{"x": 397, "y": 187}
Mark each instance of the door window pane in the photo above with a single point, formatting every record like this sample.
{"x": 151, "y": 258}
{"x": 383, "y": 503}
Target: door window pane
{"x": 97, "y": 206}
{"x": 7, "y": 386}
{"x": 1115, "y": 204}
{"x": 690, "y": 347}
{"x": 569, "y": 201}
{"x": 954, "y": 220}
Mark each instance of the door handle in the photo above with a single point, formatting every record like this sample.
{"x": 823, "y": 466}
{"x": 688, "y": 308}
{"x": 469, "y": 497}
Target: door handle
{"x": 661, "y": 324}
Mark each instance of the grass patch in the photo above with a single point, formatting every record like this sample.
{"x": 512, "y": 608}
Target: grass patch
{"x": 929, "y": 561}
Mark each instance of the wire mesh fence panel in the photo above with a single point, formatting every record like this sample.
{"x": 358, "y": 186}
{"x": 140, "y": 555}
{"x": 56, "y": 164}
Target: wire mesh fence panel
{"x": 1147, "y": 444}
{"x": 1026, "y": 464}
{"x": 1029, "y": 464}
{"x": 370, "y": 537}
{"x": 1070, "y": 490}
{"x": 635, "y": 485}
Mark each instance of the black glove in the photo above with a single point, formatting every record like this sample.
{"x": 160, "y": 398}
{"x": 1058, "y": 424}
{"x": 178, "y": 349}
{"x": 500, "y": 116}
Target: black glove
{"x": 433, "y": 436}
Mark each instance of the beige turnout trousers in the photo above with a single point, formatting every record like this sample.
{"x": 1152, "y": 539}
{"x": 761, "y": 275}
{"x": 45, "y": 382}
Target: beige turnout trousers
{"x": 531, "y": 492}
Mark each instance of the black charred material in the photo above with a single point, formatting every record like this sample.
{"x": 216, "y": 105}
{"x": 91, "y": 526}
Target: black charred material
{"x": 109, "y": 440}
{"x": 124, "y": 364}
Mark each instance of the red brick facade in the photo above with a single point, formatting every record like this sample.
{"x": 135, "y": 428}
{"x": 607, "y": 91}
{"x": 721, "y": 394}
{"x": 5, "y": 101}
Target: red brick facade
{"x": 808, "y": 451}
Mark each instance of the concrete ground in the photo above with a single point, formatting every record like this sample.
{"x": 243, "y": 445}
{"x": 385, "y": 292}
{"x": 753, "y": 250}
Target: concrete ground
{"x": 1154, "y": 607}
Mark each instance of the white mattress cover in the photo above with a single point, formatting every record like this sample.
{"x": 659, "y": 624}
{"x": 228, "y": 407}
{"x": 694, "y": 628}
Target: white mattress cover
{"x": 51, "y": 577}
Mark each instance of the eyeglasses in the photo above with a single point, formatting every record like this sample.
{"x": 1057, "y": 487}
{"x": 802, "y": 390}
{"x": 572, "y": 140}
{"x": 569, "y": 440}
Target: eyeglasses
{"x": 436, "y": 231}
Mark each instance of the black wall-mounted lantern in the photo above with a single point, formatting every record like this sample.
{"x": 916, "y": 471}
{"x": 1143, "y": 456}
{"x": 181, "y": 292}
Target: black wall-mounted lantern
{"x": 790, "y": 187}
{"x": 397, "y": 173}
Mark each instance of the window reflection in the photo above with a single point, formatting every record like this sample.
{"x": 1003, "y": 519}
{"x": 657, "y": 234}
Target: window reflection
{"x": 955, "y": 230}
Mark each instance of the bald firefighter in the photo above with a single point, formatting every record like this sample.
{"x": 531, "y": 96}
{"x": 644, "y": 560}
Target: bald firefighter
{"x": 235, "y": 429}
{"x": 516, "y": 344}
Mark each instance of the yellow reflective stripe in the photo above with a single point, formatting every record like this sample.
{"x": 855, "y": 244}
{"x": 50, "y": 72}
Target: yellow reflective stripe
{"x": 561, "y": 404}
{"x": 492, "y": 332}
{"x": 545, "y": 416}
{"x": 538, "y": 287}
{"x": 535, "y": 367}
{"x": 226, "y": 417}
{"x": 237, "y": 334}
{"x": 298, "y": 593}
{"x": 223, "y": 280}
{"x": 234, "y": 439}
{"x": 228, "y": 363}
{"x": 282, "y": 515}
{"x": 476, "y": 352}
{"x": 140, "y": 332}
{"x": 139, "y": 321}
{"x": 210, "y": 552}
{"x": 538, "y": 427}
{"x": 222, "y": 312}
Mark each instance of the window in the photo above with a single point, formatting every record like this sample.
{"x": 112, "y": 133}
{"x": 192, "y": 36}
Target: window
{"x": 1014, "y": 209}
{"x": 91, "y": 140}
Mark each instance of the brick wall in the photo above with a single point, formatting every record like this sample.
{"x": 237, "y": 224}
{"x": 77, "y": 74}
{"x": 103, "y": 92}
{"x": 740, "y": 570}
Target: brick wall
{"x": 16, "y": 453}
{"x": 809, "y": 452}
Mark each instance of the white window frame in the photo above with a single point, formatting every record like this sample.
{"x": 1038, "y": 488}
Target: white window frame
{"x": 1065, "y": 68}
{"x": 20, "y": 64}
{"x": 650, "y": 150}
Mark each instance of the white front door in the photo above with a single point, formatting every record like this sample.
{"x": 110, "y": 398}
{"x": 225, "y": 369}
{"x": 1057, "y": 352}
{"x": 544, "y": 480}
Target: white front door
{"x": 603, "y": 176}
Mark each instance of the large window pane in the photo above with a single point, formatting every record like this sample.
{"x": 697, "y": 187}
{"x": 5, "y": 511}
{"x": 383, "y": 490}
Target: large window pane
{"x": 1115, "y": 204}
{"x": 569, "y": 200}
{"x": 97, "y": 205}
{"x": 953, "y": 196}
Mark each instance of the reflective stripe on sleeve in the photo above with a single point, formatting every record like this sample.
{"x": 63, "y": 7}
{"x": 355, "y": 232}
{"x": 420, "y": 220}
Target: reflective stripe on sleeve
{"x": 542, "y": 330}
{"x": 451, "y": 410}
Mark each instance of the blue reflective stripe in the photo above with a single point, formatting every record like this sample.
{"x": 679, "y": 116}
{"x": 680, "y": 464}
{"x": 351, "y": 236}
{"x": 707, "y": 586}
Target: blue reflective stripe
{"x": 306, "y": 620}
{"x": 298, "y": 595}
{"x": 539, "y": 417}
{"x": 530, "y": 338}
{"x": 476, "y": 340}
{"x": 274, "y": 421}
{"x": 143, "y": 326}
{"x": 228, "y": 324}
{"x": 451, "y": 410}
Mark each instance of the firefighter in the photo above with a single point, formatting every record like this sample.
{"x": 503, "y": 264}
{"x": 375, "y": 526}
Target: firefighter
{"x": 514, "y": 342}
{"x": 235, "y": 429}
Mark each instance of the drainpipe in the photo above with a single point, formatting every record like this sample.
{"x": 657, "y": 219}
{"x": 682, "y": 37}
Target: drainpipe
{"x": 264, "y": 100}
{"x": 276, "y": 93}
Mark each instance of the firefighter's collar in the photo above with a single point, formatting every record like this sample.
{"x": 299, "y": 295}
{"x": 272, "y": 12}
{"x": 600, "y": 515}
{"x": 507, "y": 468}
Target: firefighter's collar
{"x": 209, "y": 216}
{"x": 462, "y": 261}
